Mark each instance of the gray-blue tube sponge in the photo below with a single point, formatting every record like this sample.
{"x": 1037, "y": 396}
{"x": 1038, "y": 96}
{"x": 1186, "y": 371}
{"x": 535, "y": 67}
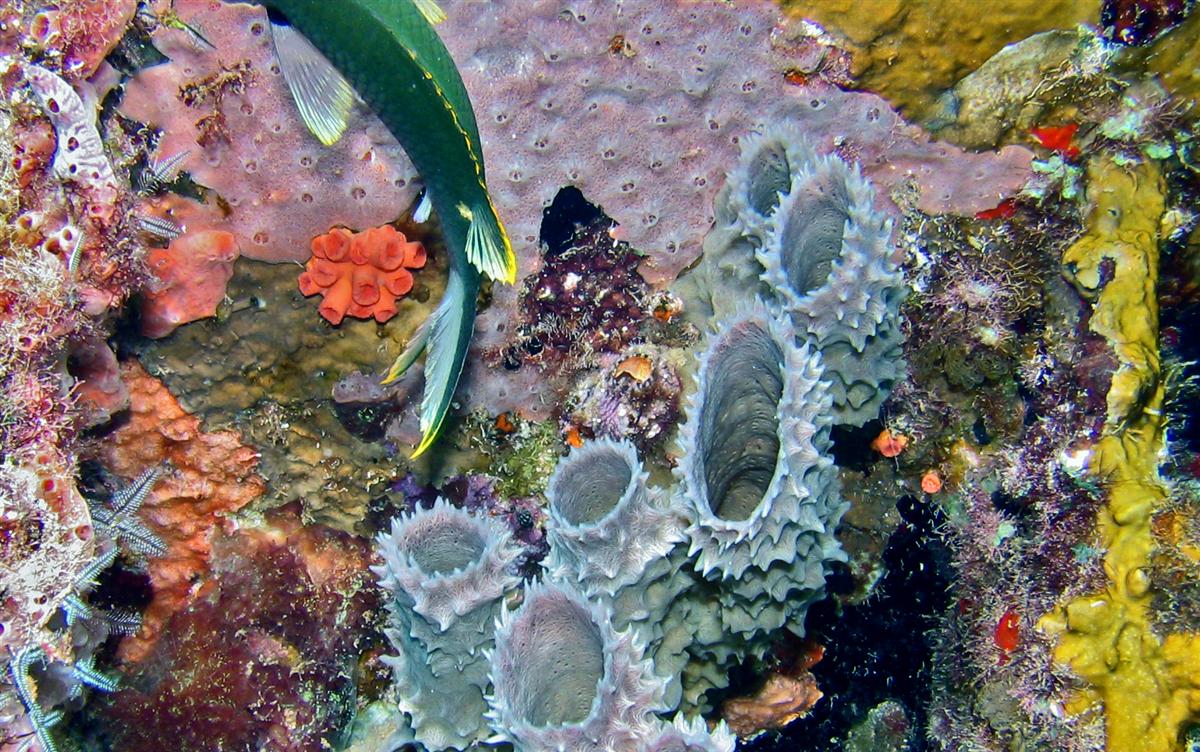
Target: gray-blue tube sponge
{"x": 804, "y": 231}
{"x": 759, "y": 482}
{"x": 605, "y": 524}
{"x": 564, "y": 679}
{"x": 620, "y": 541}
{"x": 446, "y": 572}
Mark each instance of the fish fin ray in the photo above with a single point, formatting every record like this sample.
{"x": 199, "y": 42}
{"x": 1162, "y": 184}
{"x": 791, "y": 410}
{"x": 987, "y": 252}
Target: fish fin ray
{"x": 450, "y": 329}
{"x": 432, "y": 12}
{"x": 323, "y": 97}
{"x": 424, "y": 208}
{"x": 488, "y": 247}
{"x": 412, "y": 351}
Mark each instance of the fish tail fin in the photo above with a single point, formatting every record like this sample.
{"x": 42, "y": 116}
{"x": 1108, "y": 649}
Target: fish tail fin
{"x": 488, "y": 247}
{"x": 412, "y": 351}
{"x": 432, "y": 12}
{"x": 449, "y": 336}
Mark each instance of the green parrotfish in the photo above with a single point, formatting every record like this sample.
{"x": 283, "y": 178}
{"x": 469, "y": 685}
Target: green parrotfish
{"x": 389, "y": 53}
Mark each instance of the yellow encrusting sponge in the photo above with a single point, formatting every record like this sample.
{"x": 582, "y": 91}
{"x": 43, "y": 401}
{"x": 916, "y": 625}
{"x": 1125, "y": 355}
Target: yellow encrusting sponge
{"x": 1148, "y": 684}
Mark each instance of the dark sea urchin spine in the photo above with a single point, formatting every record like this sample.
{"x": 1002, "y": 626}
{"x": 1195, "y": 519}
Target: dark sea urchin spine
{"x": 447, "y": 572}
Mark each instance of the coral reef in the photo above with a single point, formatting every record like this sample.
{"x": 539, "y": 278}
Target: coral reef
{"x": 554, "y": 115}
{"x": 74, "y": 37}
{"x": 189, "y": 282}
{"x": 959, "y": 342}
{"x": 521, "y": 454}
{"x": 211, "y": 475}
{"x": 47, "y": 541}
{"x": 636, "y": 399}
{"x": 67, "y": 258}
{"x": 446, "y": 572}
{"x": 263, "y": 368}
{"x": 35, "y": 402}
{"x": 1004, "y": 378}
{"x": 361, "y": 274}
{"x": 226, "y": 115}
{"x": 912, "y": 53}
{"x": 585, "y": 302}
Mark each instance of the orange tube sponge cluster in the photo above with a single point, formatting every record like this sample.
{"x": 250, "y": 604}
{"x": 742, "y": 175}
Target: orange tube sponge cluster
{"x": 361, "y": 274}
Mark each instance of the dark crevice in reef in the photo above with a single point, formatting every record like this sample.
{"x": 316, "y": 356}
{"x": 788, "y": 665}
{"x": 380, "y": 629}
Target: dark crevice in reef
{"x": 852, "y": 445}
{"x": 880, "y": 649}
{"x": 564, "y": 216}
{"x": 1184, "y": 350}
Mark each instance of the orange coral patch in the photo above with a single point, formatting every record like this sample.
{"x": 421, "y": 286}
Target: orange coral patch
{"x": 361, "y": 274}
{"x": 209, "y": 476}
{"x": 635, "y": 367}
{"x": 190, "y": 278}
{"x": 889, "y": 444}
{"x": 1058, "y": 139}
{"x": 931, "y": 482}
{"x": 781, "y": 700}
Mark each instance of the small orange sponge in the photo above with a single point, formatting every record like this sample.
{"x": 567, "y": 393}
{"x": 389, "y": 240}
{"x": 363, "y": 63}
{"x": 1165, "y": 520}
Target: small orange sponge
{"x": 361, "y": 274}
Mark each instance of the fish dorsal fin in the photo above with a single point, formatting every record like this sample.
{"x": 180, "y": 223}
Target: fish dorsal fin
{"x": 488, "y": 248}
{"x": 431, "y": 10}
{"x": 323, "y": 96}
